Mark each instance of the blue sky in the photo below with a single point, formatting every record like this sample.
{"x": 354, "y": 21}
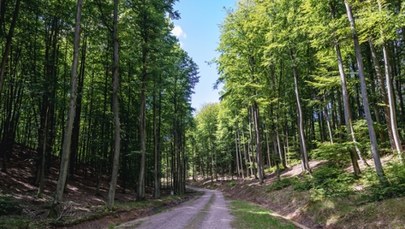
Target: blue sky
{"x": 198, "y": 32}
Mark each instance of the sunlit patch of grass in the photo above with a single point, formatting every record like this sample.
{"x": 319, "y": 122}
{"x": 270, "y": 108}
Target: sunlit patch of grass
{"x": 252, "y": 216}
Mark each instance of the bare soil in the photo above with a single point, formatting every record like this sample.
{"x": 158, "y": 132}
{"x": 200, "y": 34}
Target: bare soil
{"x": 84, "y": 206}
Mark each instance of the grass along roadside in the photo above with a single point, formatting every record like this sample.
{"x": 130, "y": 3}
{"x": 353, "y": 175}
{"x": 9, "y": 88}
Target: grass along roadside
{"x": 248, "y": 215}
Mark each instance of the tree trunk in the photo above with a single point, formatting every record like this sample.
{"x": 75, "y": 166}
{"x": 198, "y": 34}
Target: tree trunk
{"x": 347, "y": 111}
{"x": 157, "y": 141}
{"x": 259, "y": 155}
{"x": 237, "y": 157}
{"x": 391, "y": 99}
{"x": 373, "y": 139}
{"x": 7, "y": 48}
{"x": 346, "y": 107}
{"x": 116, "y": 111}
{"x": 325, "y": 114}
{"x": 303, "y": 147}
{"x": 383, "y": 92}
{"x": 72, "y": 110}
{"x": 76, "y": 124}
{"x": 43, "y": 161}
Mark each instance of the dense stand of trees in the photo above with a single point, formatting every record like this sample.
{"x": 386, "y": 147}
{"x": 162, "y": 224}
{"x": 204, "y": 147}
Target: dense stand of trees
{"x": 101, "y": 87}
{"x": 299, "y": 75}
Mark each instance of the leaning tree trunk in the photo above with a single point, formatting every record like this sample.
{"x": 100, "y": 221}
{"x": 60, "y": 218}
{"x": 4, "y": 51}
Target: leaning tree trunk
{"x": 391, "y": 99}
{"x": 347, "y": 111}
{"x": 383, "y": 91}
{"x": 304, "y": 152}
{"x": 72, "y": 111}
{"x": 373, "y": 139}
{"x": 116, "y": 111}
{"x": 391, "y": 103}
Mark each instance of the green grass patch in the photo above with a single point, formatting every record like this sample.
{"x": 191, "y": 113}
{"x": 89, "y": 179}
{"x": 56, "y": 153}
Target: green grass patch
{"x": 252, "y": 216}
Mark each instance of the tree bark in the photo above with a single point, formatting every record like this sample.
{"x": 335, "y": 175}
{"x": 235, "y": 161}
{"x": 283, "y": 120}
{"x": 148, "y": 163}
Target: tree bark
{"x": 116, "y": 110}
{"x": 373, "y": 139}
{"x": 72, "y": 110}
{"x": 304, "y": 153}
{"x": 259, "y": 155}
{"x": 347, "y": 111}
{"x": 391, "y": 99}
{"x": 76, "y": 123}
{"x": 383, "y": 91}
{"x": 157, "y": 141}
{"x": 7, "y": 47}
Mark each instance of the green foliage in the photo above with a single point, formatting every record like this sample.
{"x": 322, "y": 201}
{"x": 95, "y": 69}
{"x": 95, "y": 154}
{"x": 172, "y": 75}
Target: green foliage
{"x": 280, "y": 184}
{"x": 303, "y": 183}
{"x": 331, "y": 181}
{"x": 231, "y": 183}
{"x": 15, "y": 223}
{"x": 252, "y": 216}
{"x": 337, "y": 153}
{"x": 395, "y": 173}
{"x": 326, "y": 181}
{"x": 9, "y": 206}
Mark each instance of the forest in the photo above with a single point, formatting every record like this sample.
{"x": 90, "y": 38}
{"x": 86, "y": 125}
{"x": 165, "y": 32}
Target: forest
{"x": 100, "y": 92}
{"x": 307, "y": 82}
{"x": 101, "y": 87}
{"x": 303, "y": 80}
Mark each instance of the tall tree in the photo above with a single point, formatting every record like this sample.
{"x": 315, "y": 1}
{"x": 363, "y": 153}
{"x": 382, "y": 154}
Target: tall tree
{"x": 370, "y": 124}
{"x": 117, "y": 128}
{"x": 9, "y": 40}
{"x": 66, "y": 149}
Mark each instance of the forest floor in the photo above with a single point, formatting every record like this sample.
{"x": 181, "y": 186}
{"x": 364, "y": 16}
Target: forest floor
{"x": 319, "y": 207}
{"x": 84, "y": 206}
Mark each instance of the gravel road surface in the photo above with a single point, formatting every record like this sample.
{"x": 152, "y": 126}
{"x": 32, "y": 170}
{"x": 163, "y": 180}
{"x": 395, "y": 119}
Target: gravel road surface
{"x": 209, "y": 211}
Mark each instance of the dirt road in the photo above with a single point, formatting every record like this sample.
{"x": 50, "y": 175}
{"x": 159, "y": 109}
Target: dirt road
{"x": 209, "y": 211}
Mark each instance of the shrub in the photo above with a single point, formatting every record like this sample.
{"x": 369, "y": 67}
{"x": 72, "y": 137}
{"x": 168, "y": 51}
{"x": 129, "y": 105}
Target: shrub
{"x": 395, "y": 173}
{"x": 304, "y": 183}
{"x": 337, "y": 153}
{"x": 278, "y": 185}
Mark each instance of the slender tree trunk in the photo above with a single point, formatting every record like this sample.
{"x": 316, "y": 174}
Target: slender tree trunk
{"x": 43, "y": 161}
{"x": 281, "y": 151}
{"x": 259, "y": 155}
{"x": 116, "y": 111}
{"x": 373, "y": 139}
{"x": 304, "y": 152}
{"x": 268, "y": 150}
{"x": 237, "y": 156}
{"x": 240, "y": 146}
{"x": 157, "y": 146}
{"x": 347, "y": 111}
{"x": 248, "y": 161}
{"x": 76, "y": 124}
{"x": 325, "y": 114}
{"x": 346, "y": 107}
{"x": 7, "y": 48}
{"x": 391, "y": 99}
{"x": 72, "y": 110}
{"x": 383, "y": 92}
